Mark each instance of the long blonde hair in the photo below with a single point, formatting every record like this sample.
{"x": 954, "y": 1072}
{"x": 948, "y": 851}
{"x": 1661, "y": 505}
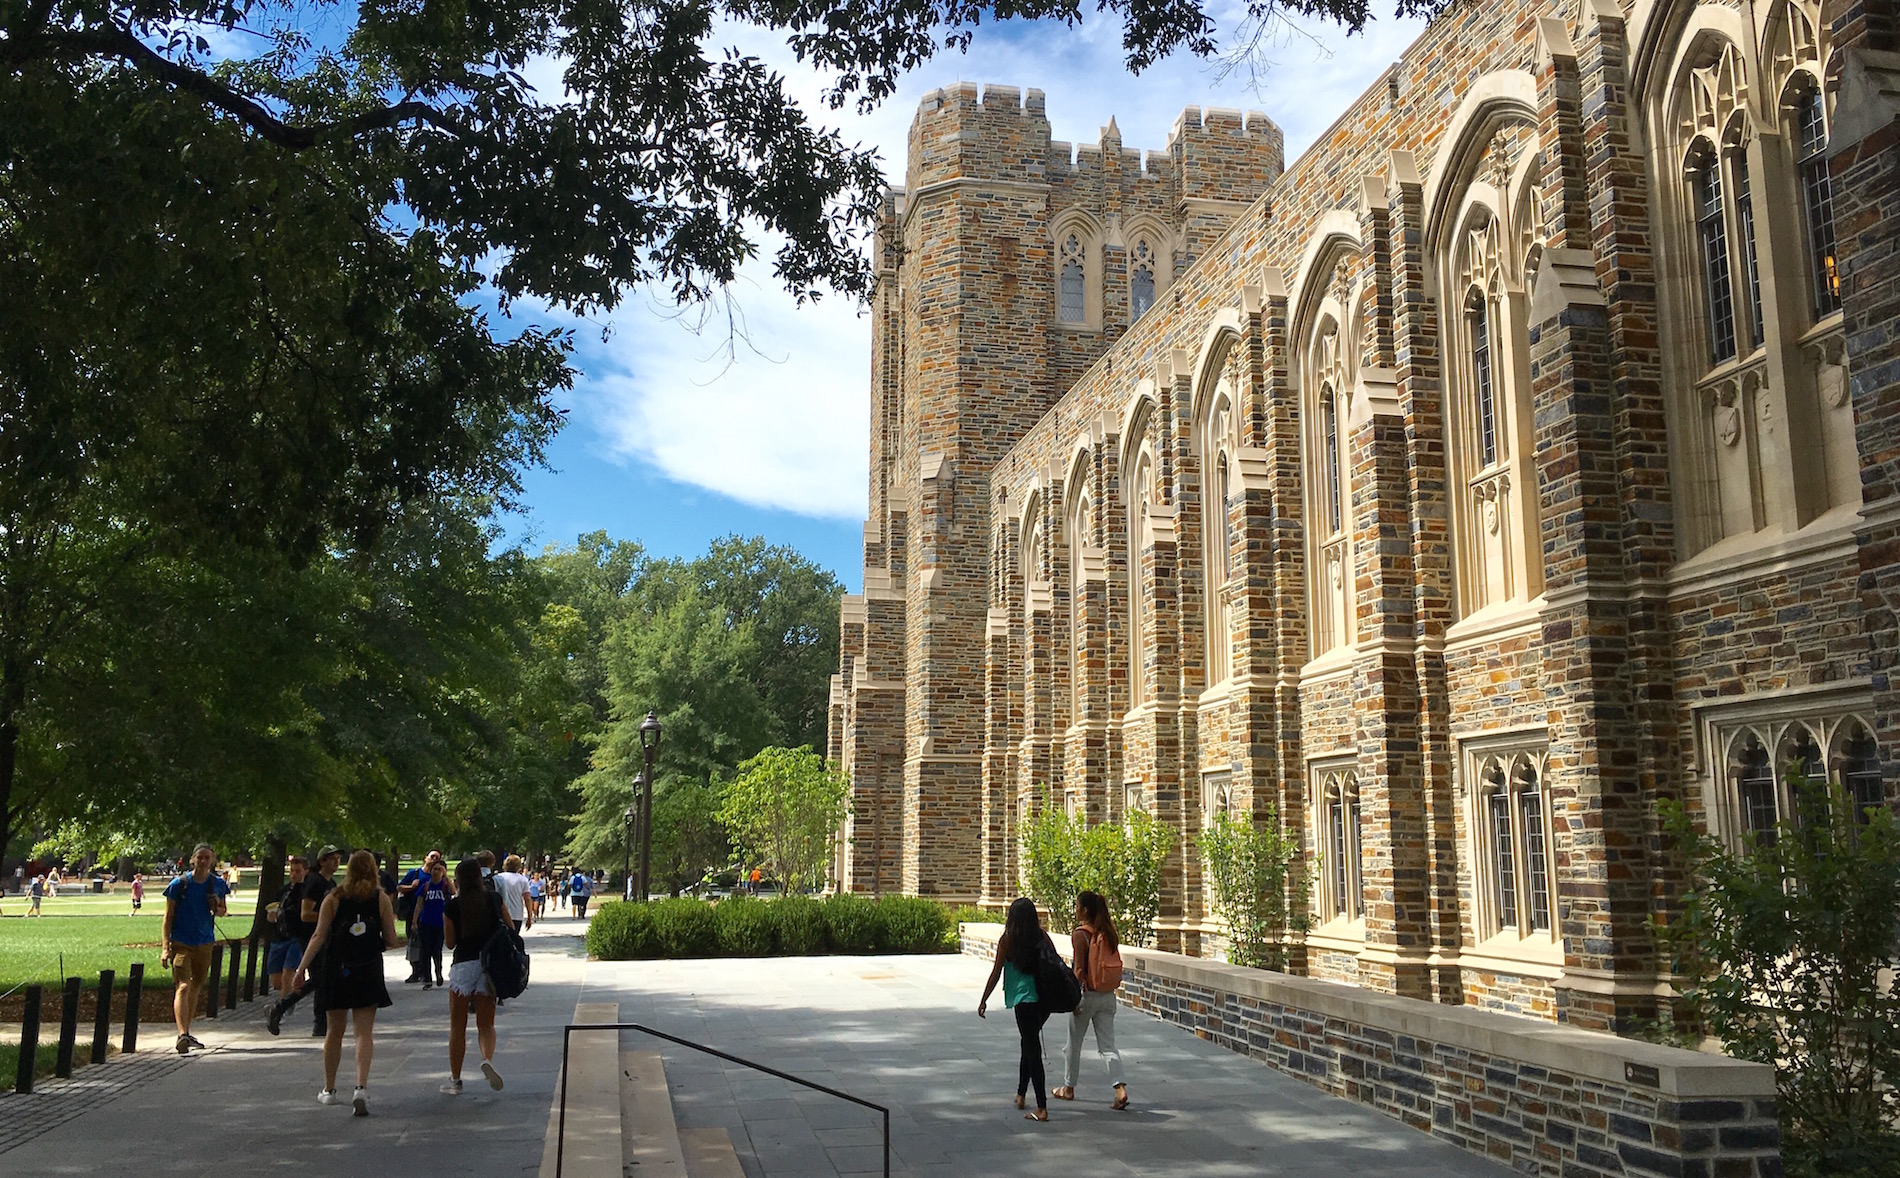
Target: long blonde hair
{"x": 359, "y": 881}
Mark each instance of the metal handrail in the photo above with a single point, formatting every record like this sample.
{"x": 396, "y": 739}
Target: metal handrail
{"x": 560, "y": 1140}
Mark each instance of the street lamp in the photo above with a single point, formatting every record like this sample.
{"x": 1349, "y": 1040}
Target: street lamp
{"x": 626, "y": 861}
{"x": 649, "y": 745}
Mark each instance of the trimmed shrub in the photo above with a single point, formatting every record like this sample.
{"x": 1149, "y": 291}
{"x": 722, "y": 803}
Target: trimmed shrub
{"x": 621, "y": 932}
{"x": 798, "y": 924}
{"x": 913, "y": 924}
{"x": 746, "y": 928}
{"x": 685, "y": 928}
{"x": 851, "y": 924}
{"x": 971, "y": 914}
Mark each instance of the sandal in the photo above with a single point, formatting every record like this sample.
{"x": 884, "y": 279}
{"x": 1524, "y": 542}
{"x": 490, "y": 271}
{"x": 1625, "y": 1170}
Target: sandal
{"x": 1041, "y": 1114}
{"x": 1063, "y": 1093}
{"x": 1121, "y": 1097}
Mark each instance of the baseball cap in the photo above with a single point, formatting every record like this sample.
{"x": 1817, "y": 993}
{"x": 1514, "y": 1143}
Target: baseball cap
{"x": 327, "y": 851}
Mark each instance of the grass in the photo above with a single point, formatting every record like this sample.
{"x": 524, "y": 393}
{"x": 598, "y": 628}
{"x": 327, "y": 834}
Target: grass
{"x": 50, "y": 948}
{"x": 87, "y": 904}
{"x": 42, "y": 1061}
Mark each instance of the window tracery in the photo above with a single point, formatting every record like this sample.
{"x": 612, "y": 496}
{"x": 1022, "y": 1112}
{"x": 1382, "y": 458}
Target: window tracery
{"x": 1074, "y": 270}
{"x": 1329, "y": 378}
{"x": 1221, "y": 443}
{"x": 1141, "y": 279}
{"x": 1342, "y": 870}
{"x": 1762, "y": 752}
{"x": 1514, "y": 863}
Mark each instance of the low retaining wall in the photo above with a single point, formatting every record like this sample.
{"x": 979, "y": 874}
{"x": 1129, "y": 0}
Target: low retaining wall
{"x": 1542, "y": 1098}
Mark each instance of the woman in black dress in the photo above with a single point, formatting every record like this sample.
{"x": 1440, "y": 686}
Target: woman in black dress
{"x": 357, "y": 923}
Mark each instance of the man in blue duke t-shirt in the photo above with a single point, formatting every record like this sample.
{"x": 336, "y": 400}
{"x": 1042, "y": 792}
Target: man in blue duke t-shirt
{"x": 192, "y": 902}
{"x": 579, "y": 890}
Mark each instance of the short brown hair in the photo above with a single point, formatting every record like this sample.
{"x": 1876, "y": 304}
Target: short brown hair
{"x": 486, "y": 859}
{"x": 513, "y": 863}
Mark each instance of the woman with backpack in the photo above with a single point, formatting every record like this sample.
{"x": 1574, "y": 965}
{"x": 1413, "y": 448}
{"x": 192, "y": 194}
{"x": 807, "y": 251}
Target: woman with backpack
{"x": 1019, "y": 953}
{"x": 355, "y": 924}
{"x": 471, "y": 917}
{"x": 1097, "y": 959}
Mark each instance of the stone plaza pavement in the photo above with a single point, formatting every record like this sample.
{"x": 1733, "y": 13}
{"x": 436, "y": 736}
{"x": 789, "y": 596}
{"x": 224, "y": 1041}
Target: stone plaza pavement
{"x": 901, "y": 1031}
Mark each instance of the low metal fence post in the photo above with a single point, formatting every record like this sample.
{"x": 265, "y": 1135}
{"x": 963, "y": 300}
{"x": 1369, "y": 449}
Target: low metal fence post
{"x": 231, "y": 982}
{"x": 29, "y": 1039}
{"x": 68, "y": 1029}
{"x": 102, "y": 1016}
{"x": 250, "y": 968}
{"x": 213, "y": 976}
{"x": 134, "y": 994}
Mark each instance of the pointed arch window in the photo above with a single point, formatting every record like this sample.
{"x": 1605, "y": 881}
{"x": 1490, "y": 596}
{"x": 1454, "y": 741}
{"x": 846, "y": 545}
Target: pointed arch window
{"x": 1712, "y": 231}
{"x": 1141, "y": 280}
{"x": 1074, "y": 271}
{"x": 1511, "y": 824}
{"x": 1341, "y": 853}
{"x": 1333, "y": 490}
{"x": 1745, "y": 224}
{"x": 1817, "y": 192}
{"x": 1483, "y": 374}
{"x": 1141, "y": 536}
{"x": 1860, "y": 770}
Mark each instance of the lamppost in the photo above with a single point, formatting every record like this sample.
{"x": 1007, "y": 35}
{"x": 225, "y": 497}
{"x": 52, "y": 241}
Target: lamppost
{"x": 626, "y": 861}
{"x": 649, "y": 745}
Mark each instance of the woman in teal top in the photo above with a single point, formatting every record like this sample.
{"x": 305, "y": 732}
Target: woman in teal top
{"x": 1017, "y": 952}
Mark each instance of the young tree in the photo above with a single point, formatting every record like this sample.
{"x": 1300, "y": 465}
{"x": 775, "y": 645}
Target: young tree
{"x": 1258, "y": 890}
{"x": 783, "y": 809}
{"x": 1785, "y": 950}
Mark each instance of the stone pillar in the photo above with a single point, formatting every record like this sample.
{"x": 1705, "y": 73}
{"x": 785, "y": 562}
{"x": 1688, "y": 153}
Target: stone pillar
{"x": 1168, "y": 799}
{"x": 999, "y": 765}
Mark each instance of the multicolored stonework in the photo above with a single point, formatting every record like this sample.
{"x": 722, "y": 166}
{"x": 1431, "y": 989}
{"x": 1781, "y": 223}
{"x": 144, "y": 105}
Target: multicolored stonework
{"x": 1525, "y": 454}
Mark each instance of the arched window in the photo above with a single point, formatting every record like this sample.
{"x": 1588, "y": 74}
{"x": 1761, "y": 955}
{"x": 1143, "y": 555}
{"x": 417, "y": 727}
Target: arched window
{"x": 1512, "y": 821}
{"x": 1141, "y": 280}
{"x": 1771, "y": 753}
{"x": 1482, "y": 375}
{"x": 1327, "y": 373}
{"x": 1817, "y": 198}
{"x": 1141, "y": 539}
{"x": 1860, "y": 770}
{"x": 1220, "y": 440}
{"x": 1333, "y": 484}
{"x": 1745, "y": 221}
{"x": 1081, "y": 541}
{"x": 1757, "y": 790}
{"x": 1074, "y": 271}
{"x": 1341, "y": 876}
{"x": 1712, "y": 231}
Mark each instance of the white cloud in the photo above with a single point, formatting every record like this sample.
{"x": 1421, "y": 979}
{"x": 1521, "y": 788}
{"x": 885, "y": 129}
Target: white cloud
{"x": 783, "y": 423}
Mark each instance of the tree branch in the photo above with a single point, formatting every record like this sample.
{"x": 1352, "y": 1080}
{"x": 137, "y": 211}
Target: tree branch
{"x": 120, "y": 43}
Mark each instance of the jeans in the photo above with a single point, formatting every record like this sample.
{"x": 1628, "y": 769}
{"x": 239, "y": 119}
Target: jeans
{"x": 1097, "y": 1010}
{"x": 1029, "y": 1019}
{"x": 430, "y": 937}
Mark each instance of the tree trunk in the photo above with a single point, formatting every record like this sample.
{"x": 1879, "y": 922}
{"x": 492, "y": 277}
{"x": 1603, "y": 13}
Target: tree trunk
{"x": 270, "y": 878}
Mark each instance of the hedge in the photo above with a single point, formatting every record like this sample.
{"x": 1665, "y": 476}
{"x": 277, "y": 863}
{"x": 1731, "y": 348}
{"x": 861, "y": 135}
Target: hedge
{"x": 794, "y": 926}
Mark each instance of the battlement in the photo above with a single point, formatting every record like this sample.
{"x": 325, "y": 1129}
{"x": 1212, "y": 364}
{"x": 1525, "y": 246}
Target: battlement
{"x": 1225, "y": 154}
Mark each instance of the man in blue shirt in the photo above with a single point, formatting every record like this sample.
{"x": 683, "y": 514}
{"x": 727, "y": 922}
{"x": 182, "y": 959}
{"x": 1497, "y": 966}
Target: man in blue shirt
{"x": 579, "y": 891}
{"x": 406, "y": 900}
{"x": 192, "y": 903}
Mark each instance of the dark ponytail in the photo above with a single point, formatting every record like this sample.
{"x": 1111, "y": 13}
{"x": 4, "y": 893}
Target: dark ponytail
{"x": 1021, "y": 943}
{"x": 1095, "y": 914}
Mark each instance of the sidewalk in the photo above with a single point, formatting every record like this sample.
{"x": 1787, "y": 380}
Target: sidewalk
{"x": 250, "y": 1101}
{"x": 903, "y": 1032}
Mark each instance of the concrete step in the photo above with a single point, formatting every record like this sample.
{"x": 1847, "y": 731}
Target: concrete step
{"x": 593, "y": 1139}
{"x": 650, "y": 1138}
{"x": 709, "y": 1154}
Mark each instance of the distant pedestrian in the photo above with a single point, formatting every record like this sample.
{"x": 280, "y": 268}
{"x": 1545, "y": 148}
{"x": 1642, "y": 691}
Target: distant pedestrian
{"x": 1096, "y": 956}
{"x": 309, "y": 902}
{"x": 36, "y": 894}
{"x": 432, "y": 902}
{"x": 557, "y": 887}
{"x": 537, "y": 894}
{"x": 512, "y": 887}
{"x": 138, "y": 894}
{"x": 579, "y": 892}
{"x": 1017, "y": 952}
{"x": 193, "y": 902}
{"x": 355, "y": 924}
{"x": 286, "y": 947}
{"x": 472, "y": 916}
{"x": 406, "y": 896}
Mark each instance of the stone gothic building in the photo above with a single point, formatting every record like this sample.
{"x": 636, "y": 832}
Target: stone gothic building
{"x": 1525, "y": 454}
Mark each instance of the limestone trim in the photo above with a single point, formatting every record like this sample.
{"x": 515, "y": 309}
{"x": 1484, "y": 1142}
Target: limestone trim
{"x": 1076, "y": 238}
{"x": 1512, "y": 834}
{"x": 1746, "y": 749}
{"x": 1745, "y": 559}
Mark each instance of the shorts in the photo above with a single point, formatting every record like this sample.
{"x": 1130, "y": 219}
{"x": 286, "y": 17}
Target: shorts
{"x": 469, "y": 979}
{"x": 190, "y": 963}
{"x": 137, "y": 904}
{"x": 283, "y": 956}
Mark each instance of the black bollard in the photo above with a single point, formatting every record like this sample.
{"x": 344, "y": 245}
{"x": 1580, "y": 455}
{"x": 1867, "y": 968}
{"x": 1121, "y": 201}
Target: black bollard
{"x": 217, "y": 972}
{"x": 29, "y": 1039}
{"x": 250, "y": 969}
{"x": 102, "y": 1016}
{"x": 68, "y": 1029}
{"x": 134, "y": 992}
{"x": 231, "y": 983}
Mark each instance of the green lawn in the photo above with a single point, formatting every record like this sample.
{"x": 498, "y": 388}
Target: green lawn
{"x": 43, "y": 1060}
{"x": 86, "y": 904}
{"x": 50, "y": 948}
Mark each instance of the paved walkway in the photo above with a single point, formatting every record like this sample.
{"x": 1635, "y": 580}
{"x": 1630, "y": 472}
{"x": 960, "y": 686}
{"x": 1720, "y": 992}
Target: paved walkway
{"x": 897, "y": 1030}
{"x": 903, "y": 1031}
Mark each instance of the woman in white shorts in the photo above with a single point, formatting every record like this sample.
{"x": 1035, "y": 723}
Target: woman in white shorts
{"x": 472, "y": 915}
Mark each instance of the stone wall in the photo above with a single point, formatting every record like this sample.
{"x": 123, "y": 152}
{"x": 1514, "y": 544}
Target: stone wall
{"x": 1545, "y": 1100}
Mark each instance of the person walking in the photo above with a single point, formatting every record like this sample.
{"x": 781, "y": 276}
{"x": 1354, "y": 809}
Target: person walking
{"x": 35, "y": 894}
{"x": 1096, "y": 956}
{"x": 472, "y": 916}
{"x": 138, "y": 894}
{"x": 1017, "y": 952}
{"x": 432, "y": 899}
{"x": 286, "y": 951}
{"x": 309, "y": 904}
{"x": 193, "y": 902}
{"x": 537, "y": 894}
{"x": 512, "y": 887}
{"x": 355, "y": 924}
{"x": 579, "y": 892}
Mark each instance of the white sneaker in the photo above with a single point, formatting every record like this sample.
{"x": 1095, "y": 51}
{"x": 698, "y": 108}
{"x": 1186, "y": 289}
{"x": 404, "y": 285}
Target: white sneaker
{"x": 452, "y": 1088}
{"x": 494, "y": 1077}
{"x": 359, "y": 1101}
{"x": 327, "y": 1096}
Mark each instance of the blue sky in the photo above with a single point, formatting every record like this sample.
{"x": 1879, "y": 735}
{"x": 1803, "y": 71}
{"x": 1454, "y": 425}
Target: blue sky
{"x": 675, "y": 439}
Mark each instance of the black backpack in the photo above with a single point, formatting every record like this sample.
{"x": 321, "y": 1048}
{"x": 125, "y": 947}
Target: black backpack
{"x": 1056, "y": 986}
{"x": 505, "y": 959}
{"x": 289, "y": 912}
